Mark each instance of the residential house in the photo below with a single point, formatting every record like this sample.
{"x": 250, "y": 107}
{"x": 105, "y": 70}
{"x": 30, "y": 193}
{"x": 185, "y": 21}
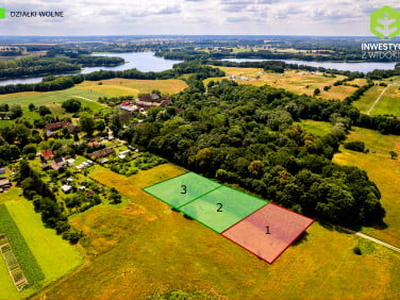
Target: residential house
{"x": 4, "y": 184}
{"x": 47, "y": 154}
{"x": 50, "y": 128}
{"x": 60, "y": 161}
{"x": 2, "y": 170}
{"x": 102, "y": 153}
{"x": 56, "y": 167}
{"x": 149, "y": 97}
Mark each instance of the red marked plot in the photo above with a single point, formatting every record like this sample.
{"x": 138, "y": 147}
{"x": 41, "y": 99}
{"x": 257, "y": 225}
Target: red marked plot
{"x": 268, "y": 232}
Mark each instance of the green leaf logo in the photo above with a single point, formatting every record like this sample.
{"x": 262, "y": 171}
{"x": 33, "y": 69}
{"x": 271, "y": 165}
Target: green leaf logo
{"x": 385, "y": 22}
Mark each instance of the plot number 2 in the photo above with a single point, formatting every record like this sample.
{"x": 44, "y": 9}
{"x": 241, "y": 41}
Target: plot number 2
{"x": 219, "y": 209}
{"x": 184, "y": 189}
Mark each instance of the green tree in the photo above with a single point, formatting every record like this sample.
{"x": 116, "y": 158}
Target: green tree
{"x": 114, "y": 196}
{"x": 44, "y": 110}
{"x": 87, "y": 124}
{"x": 71, "y": 105}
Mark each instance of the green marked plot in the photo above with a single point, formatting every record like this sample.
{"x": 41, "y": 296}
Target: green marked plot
{"x": 222, "y": 208}
{"x": 182, "y": 189}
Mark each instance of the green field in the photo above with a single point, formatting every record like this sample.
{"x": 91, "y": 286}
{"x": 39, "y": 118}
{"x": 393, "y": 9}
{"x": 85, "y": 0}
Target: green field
{"x": 45, "y": 98}
{"x": 22, "y": 251}
{"x": 182, "y": 189}
{"x": 385, "y": 172}
{"x": 142, "y": 249}
{"x": 54, "y": 256}
{"x": 221, "y": 208}
{"x": 389, "y": 103}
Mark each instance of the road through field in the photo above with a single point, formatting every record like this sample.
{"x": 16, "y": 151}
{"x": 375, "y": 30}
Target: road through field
{"x": 377, "y": 100}
{"x": 369, "y": 238}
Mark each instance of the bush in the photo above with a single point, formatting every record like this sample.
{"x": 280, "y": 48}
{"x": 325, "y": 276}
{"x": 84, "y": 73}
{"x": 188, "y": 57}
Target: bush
{"x": 357, "y": 250}
{"x": 355, "y": 146}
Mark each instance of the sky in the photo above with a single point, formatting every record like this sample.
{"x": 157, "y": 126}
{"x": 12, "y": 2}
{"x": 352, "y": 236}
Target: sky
{"x": 194, "y": 17}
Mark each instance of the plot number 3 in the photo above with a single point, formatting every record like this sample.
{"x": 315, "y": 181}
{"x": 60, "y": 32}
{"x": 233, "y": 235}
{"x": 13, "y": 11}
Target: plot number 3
{"x": 184, "y": 189}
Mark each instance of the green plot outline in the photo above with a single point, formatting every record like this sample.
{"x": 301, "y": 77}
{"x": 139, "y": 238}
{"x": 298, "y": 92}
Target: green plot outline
{"x": 220, "y": 221}
{"x": 171, "y": 201}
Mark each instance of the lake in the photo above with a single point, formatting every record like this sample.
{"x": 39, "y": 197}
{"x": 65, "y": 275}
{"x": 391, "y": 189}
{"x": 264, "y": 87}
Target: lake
{"x": 146, "y": 62}
{"x": 143, "y": 61}
{"x": 343, "y": 66}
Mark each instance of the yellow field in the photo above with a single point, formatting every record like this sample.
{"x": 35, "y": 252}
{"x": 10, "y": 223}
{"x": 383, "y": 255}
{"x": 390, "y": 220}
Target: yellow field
{"x": 124, "y": 87}
{"x": 141, "y": 249}
{"x": 298, "y": 82}
{"x": 385, "y": 172}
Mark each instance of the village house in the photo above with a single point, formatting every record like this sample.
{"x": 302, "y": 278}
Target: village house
{"x": 50, "y": 128}
{"x": 47, "y": 154}
{"x": 56, "y": 166}
{"x": 145, "y": 102}
{"x": 101, "y": 153}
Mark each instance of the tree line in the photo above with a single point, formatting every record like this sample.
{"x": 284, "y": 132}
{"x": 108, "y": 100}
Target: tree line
{"x": 41, "y": 66}
{"x": 51, "y": 83}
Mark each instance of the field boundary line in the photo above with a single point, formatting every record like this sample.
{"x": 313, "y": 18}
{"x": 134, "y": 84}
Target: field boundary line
{"x": 191, "y": 201}
{"x": 377, "y": 100}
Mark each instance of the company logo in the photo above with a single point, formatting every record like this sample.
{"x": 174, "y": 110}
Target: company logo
{"x": 2, "y": 13}
{"x": 385, "y": 22}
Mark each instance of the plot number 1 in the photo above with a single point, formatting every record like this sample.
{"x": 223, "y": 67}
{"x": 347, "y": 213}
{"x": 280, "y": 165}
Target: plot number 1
{"x": 184, "y": 189}
{"x": 267, "y": 227}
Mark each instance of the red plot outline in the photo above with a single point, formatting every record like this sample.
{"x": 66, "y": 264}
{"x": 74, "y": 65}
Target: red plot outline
{"x": 247, "y": 232}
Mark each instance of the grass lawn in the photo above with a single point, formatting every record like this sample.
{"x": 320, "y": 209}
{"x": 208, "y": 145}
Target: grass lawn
{"x": 384, "y": 171}
{"x": 55, "y": 256}
{"x": 124, "y": 87}
{"x": 141, "y": 249}
{"x": 317, "y": 128}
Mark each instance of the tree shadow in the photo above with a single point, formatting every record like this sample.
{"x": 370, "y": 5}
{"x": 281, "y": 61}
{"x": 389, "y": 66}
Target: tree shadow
{"x": 301, "y": 239}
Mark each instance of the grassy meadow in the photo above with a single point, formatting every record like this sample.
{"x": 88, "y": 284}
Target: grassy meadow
{"x": 381, "y": 169}
{"x": 315, "y": 127}
{"x": 298, "y": 82}
{"x": 141, "y": 249}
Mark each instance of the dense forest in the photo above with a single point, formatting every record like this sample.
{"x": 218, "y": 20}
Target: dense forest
{"x": 244, "y": 136}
